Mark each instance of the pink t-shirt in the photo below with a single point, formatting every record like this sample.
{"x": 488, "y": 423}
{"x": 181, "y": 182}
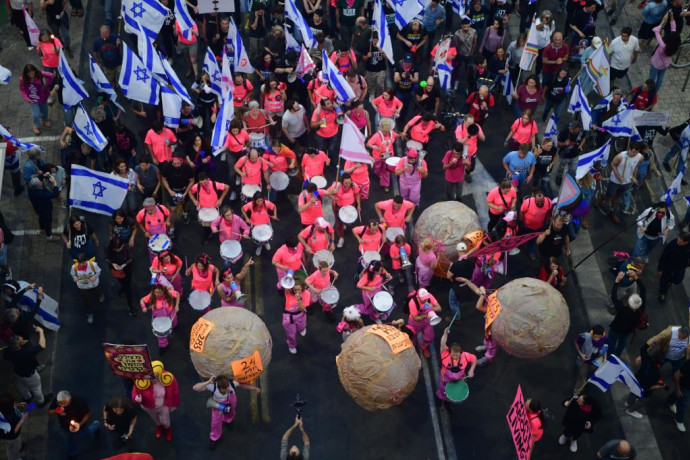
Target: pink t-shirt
{"x": 420, "y": 131}
{"x": 393, "y": 217}
{"x": 318, "y": 280}
{"x": 206, "y": 194}
{"x": 314, "y": 166}
{"x": 252, "y": 170}
{"x": 313, "y": 212}
{"x": 395, "y": 252}
{"x": 370, "y": 241}
{"x": 292, "y": 260}
{"x": 387, "y": 108}
{"x": 494, "y": 198}
{"x": 161, "y": 144}
{"x": 259, "y": 215}
{"x": 50, "y": 53}
{"x": 455, "y": 173}
{"x": 523, "y": 133}
{"x": 317, "y": 240}
{"x": 359, "y": 175}
{"x": 236, "y": 142}
{"x": 470, "y": 142}
{"x": 383, "y": 144}
{"x": 344, "y": 197}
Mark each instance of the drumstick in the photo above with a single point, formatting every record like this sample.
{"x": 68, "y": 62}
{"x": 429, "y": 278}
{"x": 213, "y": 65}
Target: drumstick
{"x": 452, "y": 321}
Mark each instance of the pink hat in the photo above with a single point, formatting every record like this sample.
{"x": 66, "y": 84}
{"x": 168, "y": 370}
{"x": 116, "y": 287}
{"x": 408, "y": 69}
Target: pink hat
{"x": 423, "y": 294}
{"x": 321, "y": 222}
{"x": 412, "y": 153}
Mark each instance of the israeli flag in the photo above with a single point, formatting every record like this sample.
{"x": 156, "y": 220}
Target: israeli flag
{"x": 621, "y": 124}
{"x": 586, "y": 161}
{"x": 290, "y": 42}
{"x": 136, "y": 80}
{"x": 213, "y": 71}
{"x": 23, "y": 146}
{"x": 47, "y": 314}
{"x": 674, "y": 188}
{"x": 143, "y": 15}
{"x": 102, "y": 193}
{"x": 101, "y": 82}
{"x": 222, "y": 126}
{"x": 508, "y": 89}
{"x": 172, "y": 105}
{"x": 343, "y": 90}
{"x": 579, "y": 103}
{"x": 226, "y": 83}
{"x": 378, "y": 23}
{"x": 242, "y": 63}
{"x": 615, "y": 370}
{"x": 151, "y": 58}
{"x": 445, "y": 75}
{"x": 297, "y": 19}
{"x": 87, "y": 130}
{"x": 182, "y": 16}
{"x": 551, "y": 130}
{"x": 73, "y": 91}
{"x": 174, "y": 81}
{"x": 406, "y": 10}
{"x": 684, "y": 143}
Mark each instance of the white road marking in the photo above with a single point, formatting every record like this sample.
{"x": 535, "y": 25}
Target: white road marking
{"x": 482, "y": 183}
{"x": 432, "y": 409}
{"x": 40, "y": 139}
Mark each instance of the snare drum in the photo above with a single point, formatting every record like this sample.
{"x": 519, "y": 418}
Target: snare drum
{"x": 330, "y": 296}
{"x": 414, "y": 145}
{"x": 370, "y": 256}
{"x": 393, "y": 232}
{"x": 279, "y": 181}
{"x": 320, "y": 181}
{"x": 159, "y": 243}
{"x": 162, "y": 326}
{"x": 257, "y": 140}
{"x": 457, "y": 391}
{"x": 248, "y": 191}
{"x": 207, "y": 216}
{"x": 323, "y": 255}
{"x": 391, "y": 163}
{"x": 262, "y": 234}
{"x": 383, "y": 303}
{"x": 231, "y": 251}
{"x": 348, "y": 214}
{"x": 199, "y": 300}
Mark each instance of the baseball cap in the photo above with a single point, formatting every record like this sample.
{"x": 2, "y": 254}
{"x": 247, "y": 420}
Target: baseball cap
{"x": 461, "y": 247}
{"x": 407, "y": 57}
{"x": 596, "y": 42}
{"x": 321, "y": 222}
{"x": 412, "y": 153}
{"x": 423, "y": 294}
{"x": 510, "y": 216}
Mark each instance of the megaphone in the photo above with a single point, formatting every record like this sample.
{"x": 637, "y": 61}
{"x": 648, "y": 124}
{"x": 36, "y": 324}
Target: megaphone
{"x": 288, "y": 281}
{"x": 198, "y": 121}
{"x": 213, "y": 404}
{"x": 434, "y": 319}
{"x": 239, "y": 296}
{"x": 292, "y": 77}
{"x": 339, "y": 116}
{"x": 405, "y": 258}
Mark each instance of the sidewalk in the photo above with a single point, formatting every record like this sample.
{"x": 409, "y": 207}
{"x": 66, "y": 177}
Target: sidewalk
{"x": 30, "y": 256}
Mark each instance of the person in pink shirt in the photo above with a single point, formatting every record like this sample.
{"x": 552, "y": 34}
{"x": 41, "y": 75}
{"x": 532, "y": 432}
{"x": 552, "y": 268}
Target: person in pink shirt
{"x": 397, "y": 247}
{"x": 420, "y": 127}
{"x": 207, "y": 194}
{"x": 237, "y": 139}
{"x": 359, "y": 173}
{"x": 169, "y": 266}
{"x": 322, "y": 278}
{"x": 387, "y": 105}
{"x": 297, "y": 300}
{"x": 226, "y": 290}
{"x": 256, "y": 212}
{"x": 420, "y": 305}
{"x": 159, "y": 141}
{"x": 324, "y": 122}
{"x": 162, "y": 302}
{"x": 500, "y": 200}
{"x": 280, "y": 157}
{"x": 49, "y": 49}
{"x": 314, "y": 162}
{"x": 454, "y": 171}
{"x": 668, "y": 45}
{"x": 154, "y": 219}
{"x": 317, "y": 237}
{"x": 410, "y": 171}
{"x": 382, "y": 145}
{"x": 523, "y": 131}
{"x": 468, "y": 134}
{"x": 287, "y": 257}
{"x": 454, "y": 362}
{"x": 310, "y": 204}
{"x": 395, "y": 212}
{"x": 425, "y": 263}
{"x": 370, "y": 283}
{"x": 251, "y": 168}
{"x": 229, "y": 226}
{"x": 35, "y": 87}
{"x": 205, "y": 275}
{"x": 343, "y": 193}
{"x": 370, "y": 238}
{"x": 242, "y": 93}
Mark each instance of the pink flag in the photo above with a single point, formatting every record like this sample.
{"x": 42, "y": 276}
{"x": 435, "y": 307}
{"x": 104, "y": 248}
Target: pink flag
{"x": 305, "y": 63}
{"x": 352, "y": 143}
{"x": 520, "y": 427}
{"x": 34, "y": 31}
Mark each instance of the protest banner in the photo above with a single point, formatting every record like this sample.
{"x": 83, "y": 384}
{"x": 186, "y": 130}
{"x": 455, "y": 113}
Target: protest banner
{"x": 520, "y": 428}
{"x": 505, "y": 244}
{"x": 644, "y": 118}
{"x": 129, "y": 361}
{"x": 246, "y": 370}
{"x": 395, "y": 339}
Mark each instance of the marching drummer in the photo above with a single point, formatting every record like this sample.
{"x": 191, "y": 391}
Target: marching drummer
{"x": 163, "y": 303}
{"x": 177, "y": 178}
{"x": 420, "y": 127}
{"x": 228, "y": 288}
{"x": 169, "y": 266}
{"x": 399, "y": 246}
{"x": 236, "y": 143}
{"x": 370, "y": 283}
{"x": 310, "y": 204}
{"x": 205, "y": 275}
{"x": 469, "y": 133}
{"x": 359, "y": 172}
{"x": 395, "y": 212}
{"x": 258, "y": 210}
{"x": 454, "y": 363}
{"x": 317, "y": 237}
{"x": 297, "y": 299}
{"x": 251, "y": 168}
{"x": 313, "y": 163}
{"x": 207, "y": 194}
{"x": 420, "y": 305}
{"x": 410, "y": 171}
{"x": 322, "y": 278}
{"x": 370, "y": 238}
{"x": 344, "y": 193}
{"x": 287, "y": 258}
{"x": 280, "y": 157}
{"x": 229, "y": 226}
{"x": 154, "y": 219}
{"x": 382, "y": 145}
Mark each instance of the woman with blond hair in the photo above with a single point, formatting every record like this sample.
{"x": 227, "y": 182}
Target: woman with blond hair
{"x": 426, "y": 262}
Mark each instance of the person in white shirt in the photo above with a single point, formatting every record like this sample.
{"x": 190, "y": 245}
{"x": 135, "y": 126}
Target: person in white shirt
{"x": 623, "y": 174}
{"x": 295, "y": 125}
{"x": 86, "y": 274}
{"x": 623, "y": 51}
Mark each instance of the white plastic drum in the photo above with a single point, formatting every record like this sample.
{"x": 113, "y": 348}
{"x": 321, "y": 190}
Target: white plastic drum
{"x": 159, "y": 243}
{"x": 207, "y": 216}
{"x": 393, "y": 232}
{"x": 162, "y": 326}
{"x": 370, "y": 256}
{"x": 279, "y": 181}
{"x": 348, "y": 214}
{"x": 330, "y": 296}
{"x": 231, "y": 251}
{"x": 383, "y": 301}
{"x": 199, "y": 300}
{"x": 414, "y": 145}
{"x": 257, "y": 140}
{"x": 262, "y": 234}
{"x": 320, "y": 181}
{"x": 391, "y": 163}
{"x": 248, "y": 191}
{"x": 325, "y": 255}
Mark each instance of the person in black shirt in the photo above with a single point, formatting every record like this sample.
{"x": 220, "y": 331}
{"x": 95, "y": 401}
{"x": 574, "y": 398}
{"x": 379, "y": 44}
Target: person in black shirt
{"x": 555, "y": 240}
{"x": 428, "y": 97}
{"x": 679, "y": 400}
{"x": 672, "y": 264}
{"x": 119, "y": 420}
{"x": 375, "y": 66}
{"x": 13, "y": 415}
{"x": 460, "y": 276}
{"x": 570, "y": 142}
{"x": 405, "y": 78}
{"x": 73, "y": 413}
{"x": 22, "y": 354}
{"x": 501, "y": 9}
{"x": 545, "y": 155}
{"x": 16, "y": 320}
{"x": 479, "y": 17}
{"x": 317, "y": 23}
{"x": 177, "y": 177}
{"x": 58, "y": 21}
{"x": 554, "y": 95}
{"x": 413, "y": 37}
{"x": 166, "y": 37}
{"x": 583, "y": 24}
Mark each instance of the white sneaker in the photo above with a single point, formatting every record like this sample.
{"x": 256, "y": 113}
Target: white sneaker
{"x": 233, "y": 196}
{"x": 258, "y": 251}
{"x": 238, "y": 180}
{"x": 341, "y": 242}
{"x": 634, "y": 414}
{"x": 480, "y": 348}
{"x": 268, "y": 246}
{"x": 293, "y": 351}
{"x": 482, "y": 361}
{"x": 681, "y": 427}
{"x": 89, "y": 319}
{"x": 573, "y": 446}
{"x": 562, "y": 440}
{"x": 672, "y": 408}
{"x": 303, "y": 332}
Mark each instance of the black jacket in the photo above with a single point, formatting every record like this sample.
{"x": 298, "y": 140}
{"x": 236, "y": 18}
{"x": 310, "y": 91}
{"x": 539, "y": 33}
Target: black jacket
{"x": 626, "y": 318}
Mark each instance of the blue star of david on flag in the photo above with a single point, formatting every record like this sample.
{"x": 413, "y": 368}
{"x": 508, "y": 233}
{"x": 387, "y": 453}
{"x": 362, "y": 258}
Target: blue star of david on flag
{"x": 141, "y": 74}
{"x": 137, "y": 10}
{"x": 98, "y": 190}
{"x": 87, "y": 129}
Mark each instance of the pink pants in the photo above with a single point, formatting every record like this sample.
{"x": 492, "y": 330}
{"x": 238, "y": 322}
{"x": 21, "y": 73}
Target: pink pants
{"x": 160, "y": 415}
{"x": 324, "y": 306}
{"x": 447, "y": 376}
{"x": 410, "y": 189}
{"x": 163, "y": 341}
{"x": 218, "y": 417}
{"x": 481, "y": 279}
{"x": 425, "y": 328}
{"x": 382, "y": 172}
{"x": 280, "y": 273}
{"x": 424, "y": 273}
{"x": 176, "y": 283}
{"x": 368, "y": 308}
{"x": 491, "y": 348}
{"x": 294, "y": 324}
{"x": 364, "y": 190}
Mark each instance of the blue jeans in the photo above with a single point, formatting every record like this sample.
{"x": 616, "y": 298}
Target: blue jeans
{"x": 675, "y": 150}
{"x": 657, "y": 75}
{"x": 70, "y": 439}
{"x": 517, "y": 110}
{"x": 454, "y": 303}
{"x": 645, "y": 245}
{"x": 557, "y": 109}
{"x": 681, "y": 403}
{"x": 329, "y": 145}
{"x": 617, "y": 342}
{"x": 39, "y": 111}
